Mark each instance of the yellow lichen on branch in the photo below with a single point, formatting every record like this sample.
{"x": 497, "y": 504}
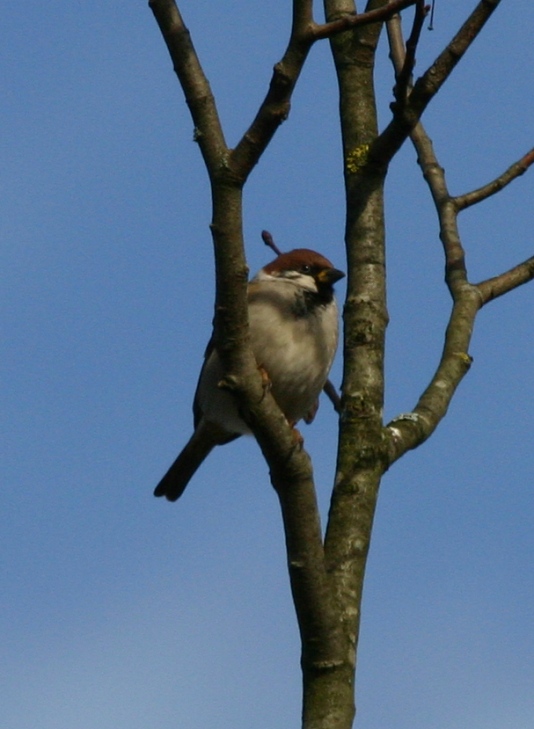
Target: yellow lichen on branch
{"x": 357, "y": 158}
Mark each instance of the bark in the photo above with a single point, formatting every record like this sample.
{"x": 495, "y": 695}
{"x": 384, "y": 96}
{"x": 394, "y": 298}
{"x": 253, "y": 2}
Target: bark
{"x": 361, "y": 444}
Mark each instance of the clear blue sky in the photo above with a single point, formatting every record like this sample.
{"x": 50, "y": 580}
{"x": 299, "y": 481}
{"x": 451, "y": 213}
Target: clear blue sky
{"x": 120, "y": 611}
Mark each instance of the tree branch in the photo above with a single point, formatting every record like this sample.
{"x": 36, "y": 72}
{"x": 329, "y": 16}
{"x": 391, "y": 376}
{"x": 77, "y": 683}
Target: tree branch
{"x": 455, "y": 270}
{"x": 290, "y": 466}
{"x": 332, "y": 394}
{"x": 404, "y": 76}
{"x": 408, "y": 431}
{"x": 427, "y": 86}
{"x": 496, "y": 185}
{"x": 434, "y": 174}
{"x": 198, "y": 95}
{"x": 347, "y": 22}
{"x": 492, "y": 288}
{"x": 276, "y": 105}
{"x": 361, "y": 457}
{"x": 406, "y": 115}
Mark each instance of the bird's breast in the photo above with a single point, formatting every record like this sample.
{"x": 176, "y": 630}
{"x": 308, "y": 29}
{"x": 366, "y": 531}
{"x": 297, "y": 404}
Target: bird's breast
{"x": 295, "y": 351}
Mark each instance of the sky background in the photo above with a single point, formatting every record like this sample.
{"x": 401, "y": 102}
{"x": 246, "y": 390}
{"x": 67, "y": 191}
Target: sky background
{"x": 120, "y": 611}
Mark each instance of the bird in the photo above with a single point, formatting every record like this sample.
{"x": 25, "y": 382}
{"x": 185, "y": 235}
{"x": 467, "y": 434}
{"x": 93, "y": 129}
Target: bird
{"x": 293, "y": 328}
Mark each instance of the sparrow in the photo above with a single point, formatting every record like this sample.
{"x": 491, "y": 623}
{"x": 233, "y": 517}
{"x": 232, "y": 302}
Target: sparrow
{"x": 293, "y": 326}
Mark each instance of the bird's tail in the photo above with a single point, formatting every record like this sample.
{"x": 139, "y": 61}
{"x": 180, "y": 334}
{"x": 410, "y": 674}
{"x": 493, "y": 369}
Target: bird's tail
{"x": 204, "y": 439}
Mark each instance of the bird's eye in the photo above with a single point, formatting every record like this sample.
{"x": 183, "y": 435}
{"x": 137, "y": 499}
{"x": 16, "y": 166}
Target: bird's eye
{"x": 305, "y": 269}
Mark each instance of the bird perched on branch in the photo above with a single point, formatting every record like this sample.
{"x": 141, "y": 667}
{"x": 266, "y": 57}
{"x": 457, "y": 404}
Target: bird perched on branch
{"x": 293, "y": 323}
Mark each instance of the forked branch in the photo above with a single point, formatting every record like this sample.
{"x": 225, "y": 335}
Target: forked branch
{"x": 276, "y": 104}
{"x": 290, "y": 466}
{"x": 410, "y": 430}
{"x": 407, "y": 114}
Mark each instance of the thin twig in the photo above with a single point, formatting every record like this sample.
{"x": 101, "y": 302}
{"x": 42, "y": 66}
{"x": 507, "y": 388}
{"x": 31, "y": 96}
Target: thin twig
{"x": 482, "y": 193}
{"x": 409, "y": 430}
{"x": 331, "y": 392}
{"x": 431, "y": 21}
{"x": 405, "y": 76}
{"x": 455, "y": 270}
{"x": 427, "y": 86}
{"x": 497, "y": 286}
{"x": 435, "y": 76}
{"x": 269, "y": 242}
{"x": 347, "y": 22}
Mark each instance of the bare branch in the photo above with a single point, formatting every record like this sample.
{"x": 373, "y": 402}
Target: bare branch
{"x": 410, "y": 430}
{"x": 431, "y": 21}
{"x": 361, "y": 447}
{"x": 290, "y": 466}
{"x": 448, "y": 207}
{"x": 435, "y": 76}
{"x": 404, "y": 77}
{"x": 275, "y": 107}
{"x": 347, "y": 22}
{"x": 332, "y": 394}
{"x": 497, "y": 286}
{"x": 455, "y": 270}
{"x": 208, "y": 129}
{"x": 406, "y": 115}
{"x": 496, "y": 185}
{"x": 310, "y": 583}
{"x": 326, "y": 581}
{"x": 269, "y": 242}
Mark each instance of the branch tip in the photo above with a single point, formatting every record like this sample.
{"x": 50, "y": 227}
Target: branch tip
{"x": 482, "y": 193}
{"x": 269, "y": 242}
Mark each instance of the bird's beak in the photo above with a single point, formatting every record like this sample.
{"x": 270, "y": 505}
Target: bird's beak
{"x": 329, "y": 275}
